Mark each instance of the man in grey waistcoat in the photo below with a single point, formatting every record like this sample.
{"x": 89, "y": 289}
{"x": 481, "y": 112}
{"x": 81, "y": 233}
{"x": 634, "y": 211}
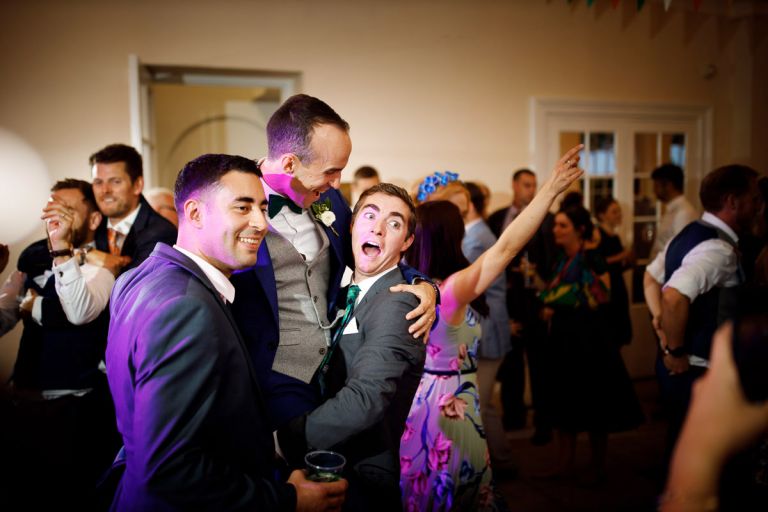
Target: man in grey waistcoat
{"x": 303, "y": 260}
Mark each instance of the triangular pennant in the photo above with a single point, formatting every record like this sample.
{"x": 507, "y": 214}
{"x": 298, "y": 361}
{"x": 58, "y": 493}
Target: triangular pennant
{"x": 696, "y": 5}
{"x": 640, "y": 4}
{"x": 590, "y": 2}
{"x": 667, "y": 3}
{"x": 615, "y": 3}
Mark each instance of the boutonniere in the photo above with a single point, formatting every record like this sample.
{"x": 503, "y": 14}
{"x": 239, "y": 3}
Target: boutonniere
{"x": 322, "y": 212}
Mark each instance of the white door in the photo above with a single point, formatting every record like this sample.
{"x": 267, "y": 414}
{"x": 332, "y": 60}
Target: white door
{"x": 624, "y": 143}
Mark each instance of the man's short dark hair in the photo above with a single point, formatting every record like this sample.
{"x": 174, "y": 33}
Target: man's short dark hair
{"x": 120, "y": 153}
{"x": 669, "y": 173}
{"x": 366, "y": 172}
{"x": 728, "y": 180}
{"x": 522, "y": 172}
{"x": 476, "y": 196}
{"x": 290, "y": 128}
{"x": 84, "y": 187}
{"x": 205, "y": 171}
{"x": 390, "y": 190}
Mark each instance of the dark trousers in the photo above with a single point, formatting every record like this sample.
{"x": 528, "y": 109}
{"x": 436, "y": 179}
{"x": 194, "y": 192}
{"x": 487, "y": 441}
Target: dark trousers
{"x": 54, "y": 451}
{"x": 532, "y": 347}
{"x": 675, "y": 393}
{"x": 364, "y": 495}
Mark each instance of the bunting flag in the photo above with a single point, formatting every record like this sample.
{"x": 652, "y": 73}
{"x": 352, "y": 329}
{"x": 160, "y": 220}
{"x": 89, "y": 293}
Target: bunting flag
{"x": 615, "y": 3}
{"x": 667, "y": 3}
{"x": 590, "y": 2}
{"x": 640, "y": 4}
{"x": 696, "y": 5}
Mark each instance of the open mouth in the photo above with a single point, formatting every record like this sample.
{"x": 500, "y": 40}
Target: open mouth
{"x": 371, "y": 249}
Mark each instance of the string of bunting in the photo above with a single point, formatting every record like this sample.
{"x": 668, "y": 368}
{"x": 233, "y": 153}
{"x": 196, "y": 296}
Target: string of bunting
{"x": 641, "y": 3}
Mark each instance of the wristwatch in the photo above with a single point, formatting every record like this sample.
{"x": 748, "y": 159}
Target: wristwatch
{"x": 674, "y": 352}
{"x": 61, "y": 252}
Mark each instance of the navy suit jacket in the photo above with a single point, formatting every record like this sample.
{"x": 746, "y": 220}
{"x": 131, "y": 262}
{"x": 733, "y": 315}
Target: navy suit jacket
{"x": 188, "y": 404}
{"x": 256, "y": 311}
{"x": 148, "y": 229}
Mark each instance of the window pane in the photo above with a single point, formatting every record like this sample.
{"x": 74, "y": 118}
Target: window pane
{"x": 645, "y": 233}
{"x": 599, "y": 188}
{"x": 645, "y": 199}
{"x": 673, "y": 148}
{"x": 570, "y": 139}
{"x": 646, "y": 153}
{"x": 602, "y": 158}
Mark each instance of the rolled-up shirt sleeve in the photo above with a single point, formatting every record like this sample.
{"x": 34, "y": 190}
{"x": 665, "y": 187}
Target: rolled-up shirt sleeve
{"x": 83, "y": 290}
{"x": 656, "y": 267}
{"x": 709, "y": 264}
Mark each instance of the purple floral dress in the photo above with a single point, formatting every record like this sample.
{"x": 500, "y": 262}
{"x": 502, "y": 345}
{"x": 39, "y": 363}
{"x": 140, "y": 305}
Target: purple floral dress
{"x": 443, "y": 453}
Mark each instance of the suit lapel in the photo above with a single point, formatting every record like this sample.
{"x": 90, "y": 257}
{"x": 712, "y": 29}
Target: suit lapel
{"x": 265, "y": 274}
{"x": 190, "y": 266}
{"x": 391, "y": 278}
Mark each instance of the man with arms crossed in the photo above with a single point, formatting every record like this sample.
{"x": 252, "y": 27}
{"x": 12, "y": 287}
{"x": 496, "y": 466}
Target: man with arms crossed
{"x": 375, "y": 364}
{"x": 189, "y": 407}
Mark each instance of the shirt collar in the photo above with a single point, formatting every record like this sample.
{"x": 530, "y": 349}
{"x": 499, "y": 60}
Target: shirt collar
{"x": 676, "y": 203}
{"x": 219, "y": 281}
{"x": 367, "y": 283}
{"x": 270, "y": 191}
{"x": 124, "y": 226}
{"x": 716, "y": 221}
{"x": 470, "y": 224}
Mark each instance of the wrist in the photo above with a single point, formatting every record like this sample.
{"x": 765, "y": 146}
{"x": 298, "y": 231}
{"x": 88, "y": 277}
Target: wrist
{"x": 676, "y": 352}
{"x": 60, "y": 252}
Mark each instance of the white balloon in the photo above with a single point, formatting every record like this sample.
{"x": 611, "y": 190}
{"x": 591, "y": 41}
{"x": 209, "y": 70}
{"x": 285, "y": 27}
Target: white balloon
{"x": 24, "y": 187}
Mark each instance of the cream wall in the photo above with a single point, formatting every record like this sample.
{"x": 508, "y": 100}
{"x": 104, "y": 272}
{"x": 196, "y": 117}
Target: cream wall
{"x": 425, "y": 85}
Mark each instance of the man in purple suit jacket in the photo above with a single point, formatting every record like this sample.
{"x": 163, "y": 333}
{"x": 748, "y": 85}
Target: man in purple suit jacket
{"x": 189, "y": 407}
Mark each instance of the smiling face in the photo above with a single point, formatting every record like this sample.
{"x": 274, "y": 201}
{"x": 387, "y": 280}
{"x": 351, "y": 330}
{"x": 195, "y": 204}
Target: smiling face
{"x": 566, "y": 235}
{"x": 116, "y": 194}
{"x": 330, "y": 147}
{"x": 379, "y": 234}
{"x": 230, "y": 221}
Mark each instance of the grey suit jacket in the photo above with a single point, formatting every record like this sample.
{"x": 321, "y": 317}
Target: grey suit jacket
{"x": 495, "y": 342}
{"x": 372, "y": 378}
{"x": 189, "y": 408}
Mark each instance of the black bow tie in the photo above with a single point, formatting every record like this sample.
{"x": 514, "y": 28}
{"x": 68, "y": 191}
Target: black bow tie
{"x": 277, "y": 202}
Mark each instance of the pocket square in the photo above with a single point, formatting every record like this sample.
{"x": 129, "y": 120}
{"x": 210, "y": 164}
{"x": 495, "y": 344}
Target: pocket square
{"x": 351, "y": 327}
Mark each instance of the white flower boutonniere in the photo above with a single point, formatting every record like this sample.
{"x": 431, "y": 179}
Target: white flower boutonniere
{"x": 322, "y": 212}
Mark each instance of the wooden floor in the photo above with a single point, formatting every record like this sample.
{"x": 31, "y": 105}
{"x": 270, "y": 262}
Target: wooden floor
{"x": 634, "y": 469}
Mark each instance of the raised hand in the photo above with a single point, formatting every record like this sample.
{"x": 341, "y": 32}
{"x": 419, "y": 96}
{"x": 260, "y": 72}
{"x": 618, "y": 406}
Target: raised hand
{"x": 59, "y": 223}
{"x": 566, "y": 170}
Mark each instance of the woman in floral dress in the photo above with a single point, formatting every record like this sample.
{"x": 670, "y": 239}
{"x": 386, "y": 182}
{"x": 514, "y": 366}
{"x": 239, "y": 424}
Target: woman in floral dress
{"x": 443, "y": 454}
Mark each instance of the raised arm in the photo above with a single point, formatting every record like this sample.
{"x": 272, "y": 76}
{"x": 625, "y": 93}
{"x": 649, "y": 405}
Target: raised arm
{"x": 464, "y": 286}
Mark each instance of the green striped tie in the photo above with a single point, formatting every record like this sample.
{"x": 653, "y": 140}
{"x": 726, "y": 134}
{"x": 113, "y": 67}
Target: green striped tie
{"x": 352, "y": 292}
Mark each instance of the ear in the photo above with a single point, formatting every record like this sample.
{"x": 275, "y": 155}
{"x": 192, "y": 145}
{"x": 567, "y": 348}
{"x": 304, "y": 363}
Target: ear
{"x": 407, "y": 244}
{"x": 94, "y": 219}
{"x": 731, "y": 202}
{"x": 288, "y": 163}
{"x": 138, "y": 185}
{"x": 194, "y": 212}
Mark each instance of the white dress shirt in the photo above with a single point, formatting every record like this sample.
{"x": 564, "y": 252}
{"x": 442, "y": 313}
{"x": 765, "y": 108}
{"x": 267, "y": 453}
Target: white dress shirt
{"x": 711, "y": 263}
{"x": 219, "y": 281}
{"x": 299, "y": 229}
{"x": 678, "y": 214}
{"x": 365, "y": 285}
{"x": 124, "y": 226}
{"x": 83, "y": 291}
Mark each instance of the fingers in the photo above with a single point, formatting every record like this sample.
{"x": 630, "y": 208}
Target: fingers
{"x": 572, "y": 155}
{"x": 422, "y": 326}
{"x": 420, "y": 310}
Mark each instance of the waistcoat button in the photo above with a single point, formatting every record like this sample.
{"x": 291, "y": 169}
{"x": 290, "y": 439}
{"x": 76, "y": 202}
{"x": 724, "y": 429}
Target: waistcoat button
{"x": 322, "y": 350}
